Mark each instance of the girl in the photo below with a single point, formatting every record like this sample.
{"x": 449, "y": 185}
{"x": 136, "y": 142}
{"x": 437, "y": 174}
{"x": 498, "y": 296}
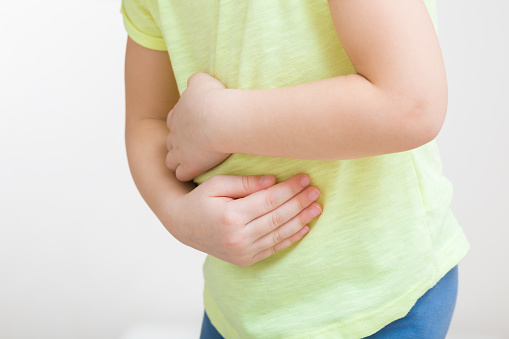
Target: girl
{"x": 265, "y": 98}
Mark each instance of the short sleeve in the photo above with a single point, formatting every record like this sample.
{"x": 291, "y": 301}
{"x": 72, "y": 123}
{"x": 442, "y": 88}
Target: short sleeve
{"x": 141, "y": 26}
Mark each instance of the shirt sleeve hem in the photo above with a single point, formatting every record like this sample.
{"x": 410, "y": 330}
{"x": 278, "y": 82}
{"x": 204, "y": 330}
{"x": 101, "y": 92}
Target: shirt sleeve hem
{"x": 141, "y": 38}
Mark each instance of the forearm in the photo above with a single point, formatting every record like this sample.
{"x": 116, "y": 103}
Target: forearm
{"x": 146, "y": 151}
{"x": 338, "y": 118}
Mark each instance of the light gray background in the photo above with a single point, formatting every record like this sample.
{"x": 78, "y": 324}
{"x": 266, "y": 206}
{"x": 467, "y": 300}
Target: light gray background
{"x": 82, "y": 256}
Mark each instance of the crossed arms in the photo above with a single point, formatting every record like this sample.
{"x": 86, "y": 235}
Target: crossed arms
{"x": 397, "y": 101}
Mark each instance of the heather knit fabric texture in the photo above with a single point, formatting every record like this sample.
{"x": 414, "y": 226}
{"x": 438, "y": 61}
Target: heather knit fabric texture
{"x": 386, "y": 234}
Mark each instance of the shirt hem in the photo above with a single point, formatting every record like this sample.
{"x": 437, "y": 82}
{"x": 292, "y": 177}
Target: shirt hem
{"x": 372, "y": 322}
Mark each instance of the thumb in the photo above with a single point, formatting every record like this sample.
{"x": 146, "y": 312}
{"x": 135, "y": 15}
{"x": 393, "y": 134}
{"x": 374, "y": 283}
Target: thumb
{"x": 236, "y": 186}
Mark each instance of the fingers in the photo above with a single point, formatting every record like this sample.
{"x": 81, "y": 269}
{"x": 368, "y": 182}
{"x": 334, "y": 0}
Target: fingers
{"x": 234, "y": 186}
{"x": 257, "y": 204}
{"x": 168, "y": 119}
{"x": 284, "y": 235}
{"x": 290, "y": 210}
{"x": 279, "y": 246}
{"x": 204, "y": 79}
{"x": 171, "y": 161}
{"x": 169, "y": 145}
{"x": 184, "y": 175}
{"x": 192, "y": 78}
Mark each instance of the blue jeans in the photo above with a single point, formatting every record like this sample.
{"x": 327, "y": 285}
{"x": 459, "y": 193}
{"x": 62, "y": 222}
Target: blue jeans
{"x": 429, "y": 318}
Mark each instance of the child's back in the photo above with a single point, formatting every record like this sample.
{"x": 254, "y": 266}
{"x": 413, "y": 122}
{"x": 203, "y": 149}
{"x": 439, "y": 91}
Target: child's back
{"x": 386, "y": 234}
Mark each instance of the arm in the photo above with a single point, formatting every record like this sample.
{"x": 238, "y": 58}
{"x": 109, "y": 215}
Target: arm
{"x": 396, "y": 102}
{"x": 239, "y": 219}
{"x": 151, "y": 92}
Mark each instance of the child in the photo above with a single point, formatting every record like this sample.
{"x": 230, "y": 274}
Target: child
{"x": 346, "y": 95}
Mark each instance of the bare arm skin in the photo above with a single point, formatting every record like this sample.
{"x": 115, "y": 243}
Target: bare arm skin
{"x": 150, "y": 93}
{"x": 397, "y": 101}
{"x": 239, "y": 219}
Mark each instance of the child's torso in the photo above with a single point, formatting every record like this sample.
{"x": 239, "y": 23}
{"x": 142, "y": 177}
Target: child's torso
{"x": 386, "y": 233}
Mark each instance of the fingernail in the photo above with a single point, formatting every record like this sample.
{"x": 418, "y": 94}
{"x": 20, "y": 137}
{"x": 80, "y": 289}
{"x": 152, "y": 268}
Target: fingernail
{"x": 304, "y": 230}
{"x": 314, "y": 194}
{"x": 305, "y": 180}
{"x": 315, "y": 212}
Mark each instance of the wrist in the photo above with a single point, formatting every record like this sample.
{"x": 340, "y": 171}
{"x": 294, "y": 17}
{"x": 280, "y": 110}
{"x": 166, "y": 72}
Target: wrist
{"x": 168, "y": 209}
{"x": 219, "y": 117}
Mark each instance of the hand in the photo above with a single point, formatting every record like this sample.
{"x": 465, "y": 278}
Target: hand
{"x": 241, "y": 220}
{"x": 189, "y": 150}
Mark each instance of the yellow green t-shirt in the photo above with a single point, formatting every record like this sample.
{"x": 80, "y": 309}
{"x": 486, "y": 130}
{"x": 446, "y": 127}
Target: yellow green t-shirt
{"x": 386, "y": 234}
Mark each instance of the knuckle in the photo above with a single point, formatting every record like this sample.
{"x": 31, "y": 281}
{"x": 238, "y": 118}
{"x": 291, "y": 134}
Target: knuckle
{"x": 180, "y": 174}
{"x": 294, "y": 186}
{"x": 277, "y": 247}
{"x": 193, "y": 76}
{"x": 301, "y": 220}
{"x": 300, "y": 204}
{"x": 168, "y": 164}
{"x": 272, "y": 200}
{"x": 234, "y": 243}
{"x": 230, "y": 218}
{"x": 277, "y": 237}
{"x": 276, "y": 220}
{"x": 246, "y": 183}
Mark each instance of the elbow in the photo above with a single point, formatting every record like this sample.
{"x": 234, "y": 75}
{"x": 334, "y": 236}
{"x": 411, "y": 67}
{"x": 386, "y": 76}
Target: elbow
{"x": 424, "y": 121}
{"x": 420, "y": 111}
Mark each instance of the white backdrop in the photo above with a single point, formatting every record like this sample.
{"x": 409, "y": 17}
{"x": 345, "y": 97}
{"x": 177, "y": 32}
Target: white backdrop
{"x": 82, "y": 256}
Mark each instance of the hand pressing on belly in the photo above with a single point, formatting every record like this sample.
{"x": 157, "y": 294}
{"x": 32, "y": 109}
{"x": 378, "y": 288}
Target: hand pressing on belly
{"x": 242, "y": 219}
{"x": 189, "y": 150}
